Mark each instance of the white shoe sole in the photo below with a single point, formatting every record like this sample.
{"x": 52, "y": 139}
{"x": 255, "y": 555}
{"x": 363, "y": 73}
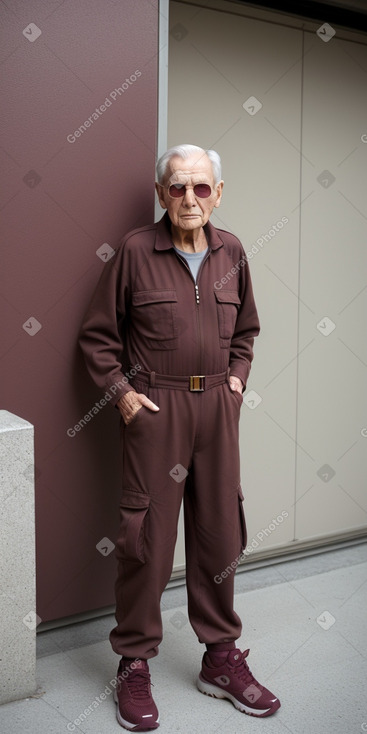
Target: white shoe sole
{"x": 210, "y": 690}
{"x": 123, "y": 722}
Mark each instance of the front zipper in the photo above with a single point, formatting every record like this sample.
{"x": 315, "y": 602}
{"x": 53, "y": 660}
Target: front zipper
{"x": 197, "y": 301}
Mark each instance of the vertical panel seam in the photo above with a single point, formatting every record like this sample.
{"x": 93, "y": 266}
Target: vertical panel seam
{"x": 299, "y": 286}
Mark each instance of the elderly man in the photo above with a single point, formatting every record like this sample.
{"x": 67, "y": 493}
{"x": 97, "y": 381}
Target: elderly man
{"x": 176, "y": 302}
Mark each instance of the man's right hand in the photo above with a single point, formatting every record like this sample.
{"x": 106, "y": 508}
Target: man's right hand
{"x": 131, "y": 402}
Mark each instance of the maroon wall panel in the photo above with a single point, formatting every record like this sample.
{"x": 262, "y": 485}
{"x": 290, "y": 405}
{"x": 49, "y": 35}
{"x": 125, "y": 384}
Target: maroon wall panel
{"x": 64, "y": 196}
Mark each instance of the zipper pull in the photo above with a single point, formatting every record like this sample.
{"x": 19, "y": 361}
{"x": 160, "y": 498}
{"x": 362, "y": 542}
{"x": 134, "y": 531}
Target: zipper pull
{"x": 197, "y": 294}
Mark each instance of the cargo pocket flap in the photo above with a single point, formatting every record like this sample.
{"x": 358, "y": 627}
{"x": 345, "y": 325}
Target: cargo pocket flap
{"x": 131, "y": 541}
{"x": 133, "y": 499}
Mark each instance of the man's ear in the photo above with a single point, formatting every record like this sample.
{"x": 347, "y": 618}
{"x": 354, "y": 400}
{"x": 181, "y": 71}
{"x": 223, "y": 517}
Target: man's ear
{"x": 159, "y": 190}
{"x": 219, "y": 190}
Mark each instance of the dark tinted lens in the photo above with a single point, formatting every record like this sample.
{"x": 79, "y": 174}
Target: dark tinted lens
{"x": 177, "y": 190}
{"x": 202, "y": 190}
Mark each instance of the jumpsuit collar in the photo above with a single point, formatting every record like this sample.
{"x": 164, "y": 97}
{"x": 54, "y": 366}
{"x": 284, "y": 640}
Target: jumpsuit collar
{"x": 163, "y": 239}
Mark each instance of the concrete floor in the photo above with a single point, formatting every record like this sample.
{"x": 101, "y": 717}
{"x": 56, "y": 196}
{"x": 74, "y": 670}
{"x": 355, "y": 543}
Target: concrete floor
{"x": 304, "y": 621}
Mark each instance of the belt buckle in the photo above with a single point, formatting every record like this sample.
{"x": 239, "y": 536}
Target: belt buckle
{"x": 196, "y": 383}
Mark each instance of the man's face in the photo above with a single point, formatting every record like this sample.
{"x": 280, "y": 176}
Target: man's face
{"x": 189, "y": 211}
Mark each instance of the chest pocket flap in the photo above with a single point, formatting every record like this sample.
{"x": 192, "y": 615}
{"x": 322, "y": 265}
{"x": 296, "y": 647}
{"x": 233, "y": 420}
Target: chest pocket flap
{"x": 141, "y": 298}
{"x": 228, "y": 303}
{"x": 228, "y": 297}
{"x": 154, "y": 315}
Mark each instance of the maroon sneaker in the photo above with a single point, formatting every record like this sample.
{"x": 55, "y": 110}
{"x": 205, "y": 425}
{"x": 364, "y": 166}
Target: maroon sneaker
{"x": 136, "y": 709}
{"x": 234, "y": 680}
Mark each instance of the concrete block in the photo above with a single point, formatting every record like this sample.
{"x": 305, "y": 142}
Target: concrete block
{"x": 18, "y": 618}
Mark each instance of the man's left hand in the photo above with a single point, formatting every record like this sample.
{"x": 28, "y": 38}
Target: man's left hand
{"x": 235, "y": 384}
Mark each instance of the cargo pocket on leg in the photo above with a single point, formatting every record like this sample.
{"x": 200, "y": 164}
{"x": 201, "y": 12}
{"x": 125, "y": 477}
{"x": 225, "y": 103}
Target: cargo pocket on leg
{"x": 243, "y": 529}
{"x": 131, "y": 540}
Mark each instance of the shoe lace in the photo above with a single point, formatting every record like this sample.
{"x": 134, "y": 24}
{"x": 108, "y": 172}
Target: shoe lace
{"x": 242, "y": 670}
{"x": 139, "y": 684}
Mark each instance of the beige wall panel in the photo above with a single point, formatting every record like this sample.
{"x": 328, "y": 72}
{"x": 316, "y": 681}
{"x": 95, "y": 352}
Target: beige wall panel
{"x": 332, "y": 405}
{"x": 312, "y": 119}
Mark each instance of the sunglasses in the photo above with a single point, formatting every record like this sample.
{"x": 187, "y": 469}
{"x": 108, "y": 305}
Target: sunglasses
{"x": 202, "y": 190}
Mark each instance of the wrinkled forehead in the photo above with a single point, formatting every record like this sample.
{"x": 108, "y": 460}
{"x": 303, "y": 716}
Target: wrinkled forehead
{"x": 190, "y": 171}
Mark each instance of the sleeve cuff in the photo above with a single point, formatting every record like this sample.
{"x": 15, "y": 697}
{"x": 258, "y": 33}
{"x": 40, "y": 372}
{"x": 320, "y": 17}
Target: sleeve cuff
{"x": 240, "y": 369}
{"x": 117, "y": 386}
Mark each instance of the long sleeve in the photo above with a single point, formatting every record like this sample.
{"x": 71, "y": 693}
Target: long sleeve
{"x": 100, "y": 334}
{"x": 247, "y": 327}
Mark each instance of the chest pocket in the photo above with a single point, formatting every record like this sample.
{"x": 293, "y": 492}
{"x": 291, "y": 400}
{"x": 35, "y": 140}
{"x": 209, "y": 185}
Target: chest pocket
{"x": 228, "y": 303}
{"x": 154, "y": 317}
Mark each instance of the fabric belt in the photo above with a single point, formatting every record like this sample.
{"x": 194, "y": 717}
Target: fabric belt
{"x": 192, "y": 383}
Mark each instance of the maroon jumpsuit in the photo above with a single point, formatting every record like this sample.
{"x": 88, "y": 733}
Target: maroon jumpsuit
{"x": 148, "y": 312}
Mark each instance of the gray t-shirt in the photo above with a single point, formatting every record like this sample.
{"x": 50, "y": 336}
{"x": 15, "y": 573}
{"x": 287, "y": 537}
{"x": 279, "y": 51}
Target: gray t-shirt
{"x": 193, "y": 259}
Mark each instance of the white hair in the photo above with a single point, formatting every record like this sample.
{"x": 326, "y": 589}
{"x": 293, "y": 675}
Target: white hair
{"x": 185, "y": 151}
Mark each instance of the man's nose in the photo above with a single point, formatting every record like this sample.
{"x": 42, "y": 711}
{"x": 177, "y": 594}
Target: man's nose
{"x": 189, "y": 199}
